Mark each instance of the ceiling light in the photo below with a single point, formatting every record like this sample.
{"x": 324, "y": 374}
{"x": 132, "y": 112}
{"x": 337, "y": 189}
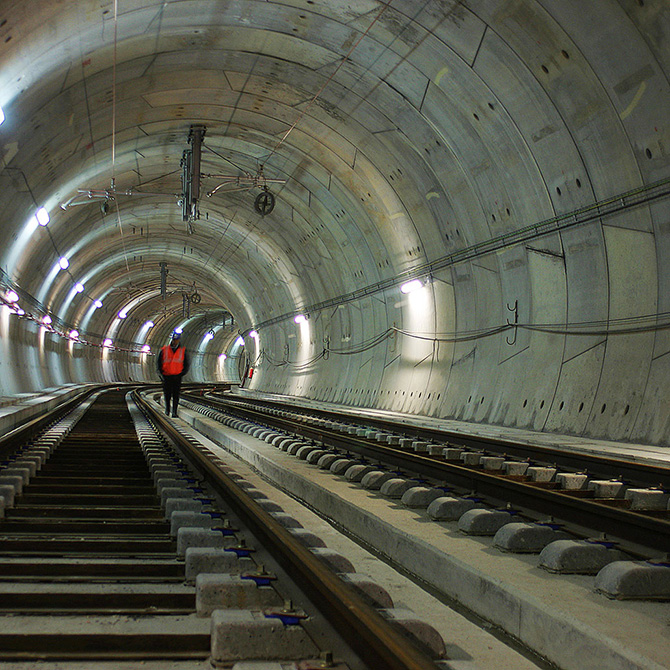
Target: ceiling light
{"x": 46, "y": 320}
{"x": 239, "y": 341}
{"x": 179, "y": 330}
{"x": 410, "y": 286}
{"x": 42, "y": 216}
{"x": 146, "y": 349}
{"x": 64, "y": 263}
{"x": 11, "y": 296}
{"x": 222, "y": 357}
{"x": 79, "y": 287}
{"x": 123, "y": 314}
{"x": 97, "y": 304}
{"x": 107, "y": 342}
{"x": 254, "y": 334}
{"x": 149, "y": 324}
{"x": 74, "y": 334}
{"x": 300, "y": 318}
{"x": 20, "y": 312}
{"x": 208, "y": 336}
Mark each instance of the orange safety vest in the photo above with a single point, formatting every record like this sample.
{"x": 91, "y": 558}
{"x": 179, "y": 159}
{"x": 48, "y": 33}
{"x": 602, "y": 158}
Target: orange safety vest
{"x": 173, "y": 360}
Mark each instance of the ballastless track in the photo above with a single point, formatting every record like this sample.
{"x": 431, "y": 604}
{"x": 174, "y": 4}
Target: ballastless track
{"x": 610, "y": 516}
{"x": 89, "y": 566}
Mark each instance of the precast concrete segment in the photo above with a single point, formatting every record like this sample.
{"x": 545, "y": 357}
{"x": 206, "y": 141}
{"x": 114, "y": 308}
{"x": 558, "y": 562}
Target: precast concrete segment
{"x": 247, "y": 634}
{"x": 307, "y": 538}
{"x": 578, "y": 557}
{"x": 418, "y": 629}
{"x": 376, "y": 595}
{"x": 647, "y": 499}
{"x": 484, "y": 521}
{"x": 229, "y": 591}
{"x": 634, "y": 580}
{"x": 420, "y": 496}
{"x": 449, "y": 508}
{"x": 214, "y": 560}
{"x": 530, "y": 538}
{"x": 556, "y": 619}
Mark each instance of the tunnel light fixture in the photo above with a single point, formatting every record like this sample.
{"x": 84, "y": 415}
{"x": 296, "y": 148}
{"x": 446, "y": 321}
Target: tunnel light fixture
{"x": 123, "y": 314}
{"x": 108, "y": 342}
{"x": 47, "y": 320}
{"x": 42, "y": 216}
{"x": 79, "y": 287}
{"x": 73, "y": 334}
{"x": 222, "y": 357}
{"x": 146, "y": 349}
{"x": 239, "y": 341}
{"x": 11, "y": 296}
{"x": 149, "y": 324}
{"x": 19, "y": 311}
{"x": 411, "y": 286}
{"x": 253, "y": 334}
{"x": 300, "y": 318}
{"x": 208, "y": 336}
{"x": 97, "y": 304}
{"x": 64, "y": 263}
{"x": 179, "y": 330}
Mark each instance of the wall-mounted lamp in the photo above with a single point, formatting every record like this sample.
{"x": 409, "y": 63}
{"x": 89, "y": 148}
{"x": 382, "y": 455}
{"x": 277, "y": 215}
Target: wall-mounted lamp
{"x": 300, "y": 318}
{"x": 73, "y": 334}
{"x": 64, "y": 263}
{"x": 149, "y": 324}
{"x": 146, "y": 349}
{"x": 97, "y": 304}
{"x": 46, "y": 320}
{"x": 11, "y": 296}
{"x": 254, "y": 334}
{"x": 123, "y": 314}
{"x": 410, "y": 286}
{"x": 107, "y": 343}
{"x": 79, "y": 287}
{"x": 42, "y": 216}
{"x": 239, "y": 341}
{"x": 222, "y": 357}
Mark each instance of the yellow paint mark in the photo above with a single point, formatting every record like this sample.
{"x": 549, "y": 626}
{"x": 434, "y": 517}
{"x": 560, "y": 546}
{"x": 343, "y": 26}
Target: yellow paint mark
{"x": 432, "y": 194}
{"x": 440, "y": 74}
{"x": 398, "y": 215}
{"x": 634, "y": 102}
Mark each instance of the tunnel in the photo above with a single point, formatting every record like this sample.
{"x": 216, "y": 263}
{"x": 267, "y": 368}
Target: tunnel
{"x": 448, "y": 209}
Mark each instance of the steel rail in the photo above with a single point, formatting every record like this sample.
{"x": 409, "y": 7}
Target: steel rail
{"x": 19, "y": 436}
{"x": 640, "y": 529}
{"x": 371, "y": 636}
{"x": 603, "y": 466}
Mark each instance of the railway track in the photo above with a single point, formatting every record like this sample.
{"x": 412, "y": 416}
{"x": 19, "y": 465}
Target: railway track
{"x": 563, "y": 490}
{"x": 124, "y": 541}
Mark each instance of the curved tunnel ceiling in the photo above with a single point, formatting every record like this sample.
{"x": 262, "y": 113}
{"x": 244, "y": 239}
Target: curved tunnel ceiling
{"x": 395, "y": 135}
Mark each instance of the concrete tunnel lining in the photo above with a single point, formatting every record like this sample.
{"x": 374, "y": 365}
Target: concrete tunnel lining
{"x": 448, "y": 125}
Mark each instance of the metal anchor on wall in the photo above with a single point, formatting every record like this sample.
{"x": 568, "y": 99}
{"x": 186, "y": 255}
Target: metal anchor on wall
{"x": 515, "y": 310}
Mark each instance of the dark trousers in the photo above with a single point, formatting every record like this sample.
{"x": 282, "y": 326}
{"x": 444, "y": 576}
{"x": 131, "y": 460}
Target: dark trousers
{"x": 171, "y": 388}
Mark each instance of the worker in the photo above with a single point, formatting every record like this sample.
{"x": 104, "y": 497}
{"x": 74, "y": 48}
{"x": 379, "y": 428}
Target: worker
{"x": 173, "y": 363}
